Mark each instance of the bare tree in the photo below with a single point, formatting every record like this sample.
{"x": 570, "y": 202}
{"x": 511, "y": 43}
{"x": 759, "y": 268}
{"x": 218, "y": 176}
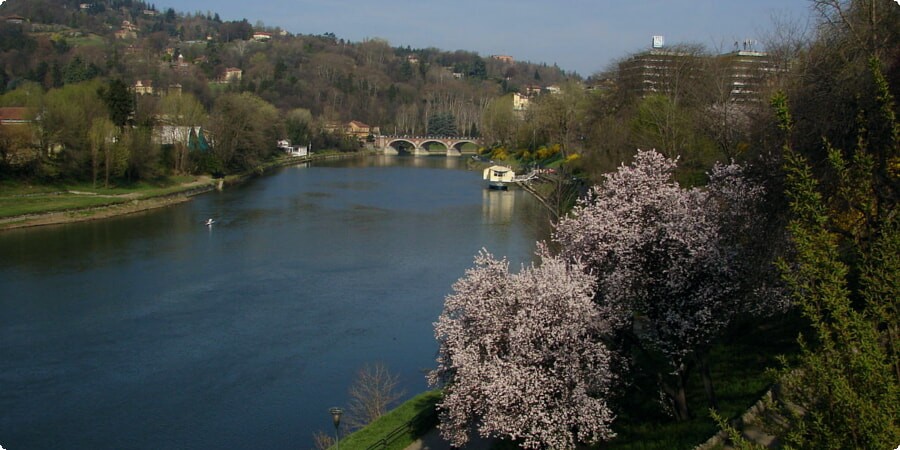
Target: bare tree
{"x": 498, "y": 121}
{"x": 787, "y": 39}
{"x": 724, "y": 117}
{"x": 862, "y": 21}
{"x": 101, "y": 138}
{"x": 373, "y": 392}
{"x": 561, "y": 115}
{"x": 322, "y": 440}
{"x": 836, "y": 76}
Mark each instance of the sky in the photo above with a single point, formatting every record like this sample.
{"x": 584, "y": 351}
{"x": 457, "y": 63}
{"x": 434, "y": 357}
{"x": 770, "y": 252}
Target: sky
{"x": 585, "y": 36}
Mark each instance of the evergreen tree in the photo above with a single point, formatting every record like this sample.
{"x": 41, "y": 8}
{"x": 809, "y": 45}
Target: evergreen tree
{"x": 77, "y": 71}
{"x": 119, "y": 101}
{"x": 844, "y": 278}
{"x": 479, "y": 69}
{"x": 442, "y": 124}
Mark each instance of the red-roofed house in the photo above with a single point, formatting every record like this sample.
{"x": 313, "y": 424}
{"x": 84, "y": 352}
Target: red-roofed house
{"x": 20, "y": 140}
{"x": 16, "y": 115}
{"x": 359, "y": 129}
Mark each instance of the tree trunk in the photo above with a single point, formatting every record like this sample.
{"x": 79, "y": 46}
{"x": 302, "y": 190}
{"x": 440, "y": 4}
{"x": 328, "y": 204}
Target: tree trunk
{"x": 108, "y": 158}
{"x": 703, "y": 362}
{"x": 677, "y": 394}
{"x": 680, "y": 400}
{"x": 95, "y": 165}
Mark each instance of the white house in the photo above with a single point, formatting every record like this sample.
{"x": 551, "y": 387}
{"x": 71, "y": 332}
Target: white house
{"x": 285, "y": 146}
{"x": 520, "y": 102}
{"x": 171, "y": 134}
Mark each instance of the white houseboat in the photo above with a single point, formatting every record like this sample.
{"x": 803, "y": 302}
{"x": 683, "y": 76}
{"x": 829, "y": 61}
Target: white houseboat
{"x": 499, "y": 177}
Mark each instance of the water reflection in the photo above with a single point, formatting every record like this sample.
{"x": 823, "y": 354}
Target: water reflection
{"x": 422, "y": 161}
{"x": 497, "y": 206}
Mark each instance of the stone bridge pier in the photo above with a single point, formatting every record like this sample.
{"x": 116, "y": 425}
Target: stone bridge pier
{"x": 428, "y": 145}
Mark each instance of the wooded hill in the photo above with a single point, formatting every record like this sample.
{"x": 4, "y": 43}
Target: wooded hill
{"x": 67, "y": 41}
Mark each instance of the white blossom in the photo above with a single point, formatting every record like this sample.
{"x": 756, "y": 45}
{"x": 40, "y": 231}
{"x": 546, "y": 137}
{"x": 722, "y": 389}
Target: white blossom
{"x": 520, "y": 356}
{"x": 664, "y": 256}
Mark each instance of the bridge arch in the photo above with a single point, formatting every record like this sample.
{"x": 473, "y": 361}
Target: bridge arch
{"x": 434, "y": 146}
{"x": 402, "y": 146}
{"x": 461, "y": 145}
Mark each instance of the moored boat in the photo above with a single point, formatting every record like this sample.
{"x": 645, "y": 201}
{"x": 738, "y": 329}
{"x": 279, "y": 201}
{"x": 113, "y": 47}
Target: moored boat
{"x": 499, "y": 177}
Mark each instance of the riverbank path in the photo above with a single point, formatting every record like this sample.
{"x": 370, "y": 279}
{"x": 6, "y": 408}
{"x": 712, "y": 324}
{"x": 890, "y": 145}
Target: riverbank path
{"x": 433, "y": 441}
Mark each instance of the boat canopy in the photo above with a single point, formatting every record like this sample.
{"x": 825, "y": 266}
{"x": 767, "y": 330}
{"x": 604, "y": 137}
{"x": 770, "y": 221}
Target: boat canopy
{"x": 499, "y": 173}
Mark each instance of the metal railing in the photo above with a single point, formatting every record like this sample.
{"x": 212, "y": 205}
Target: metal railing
{"x": 425, "y": 419}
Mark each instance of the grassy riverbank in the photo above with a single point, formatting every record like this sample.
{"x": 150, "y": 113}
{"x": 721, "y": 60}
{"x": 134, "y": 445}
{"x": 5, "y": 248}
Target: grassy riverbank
{"x": 26, "y": 204}
{"x": 17, "y": 199}
{"x": 400, "y": 426}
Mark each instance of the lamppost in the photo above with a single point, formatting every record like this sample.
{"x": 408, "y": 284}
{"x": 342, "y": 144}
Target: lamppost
{"x": 336, "y": 418}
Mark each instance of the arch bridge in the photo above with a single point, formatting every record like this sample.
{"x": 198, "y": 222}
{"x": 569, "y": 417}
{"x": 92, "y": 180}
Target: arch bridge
{"x": 428, "y": 145}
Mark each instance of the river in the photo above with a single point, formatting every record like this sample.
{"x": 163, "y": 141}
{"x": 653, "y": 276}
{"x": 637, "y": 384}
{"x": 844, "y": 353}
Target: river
{"x": 156, "y": 331}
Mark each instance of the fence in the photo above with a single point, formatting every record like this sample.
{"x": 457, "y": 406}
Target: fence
{"x": 418, "y": 425}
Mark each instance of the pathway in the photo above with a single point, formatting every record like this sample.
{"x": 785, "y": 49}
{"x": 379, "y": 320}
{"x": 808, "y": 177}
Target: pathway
{"x": 433, "y": 441}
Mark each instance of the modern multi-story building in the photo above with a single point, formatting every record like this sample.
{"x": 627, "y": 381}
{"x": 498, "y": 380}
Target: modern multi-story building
{"x": 664, "y": 70}
{"x": 657, "y": 70}
{"x": 749, "y": 73}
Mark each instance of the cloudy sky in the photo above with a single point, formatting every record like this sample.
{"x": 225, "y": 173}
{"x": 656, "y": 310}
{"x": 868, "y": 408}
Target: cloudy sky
{"x": 579, "y": 35}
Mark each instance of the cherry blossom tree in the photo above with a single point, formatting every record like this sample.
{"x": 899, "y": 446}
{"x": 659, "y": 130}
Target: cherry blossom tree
{"x": 521, "y": 357}
{"x": 668, "y": 261}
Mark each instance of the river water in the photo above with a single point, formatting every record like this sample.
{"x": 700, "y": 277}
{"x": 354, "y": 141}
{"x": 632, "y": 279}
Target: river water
{"x": 155, "y": 331}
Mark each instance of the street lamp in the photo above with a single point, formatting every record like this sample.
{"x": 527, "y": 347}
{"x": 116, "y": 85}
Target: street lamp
{"x": 336, "y": 418}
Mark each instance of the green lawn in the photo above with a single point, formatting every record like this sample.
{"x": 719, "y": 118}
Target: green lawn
{"x": 11, "y": 207}
{"x": 22, "y": 197}
{"x": 87, "y": 40}
{"x": 17, "y": 198}
{"x": 391, "y": 427}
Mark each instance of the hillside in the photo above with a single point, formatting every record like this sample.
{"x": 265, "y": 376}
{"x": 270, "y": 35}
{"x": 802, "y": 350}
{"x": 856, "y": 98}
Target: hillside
{"x": 67, "y": 41}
